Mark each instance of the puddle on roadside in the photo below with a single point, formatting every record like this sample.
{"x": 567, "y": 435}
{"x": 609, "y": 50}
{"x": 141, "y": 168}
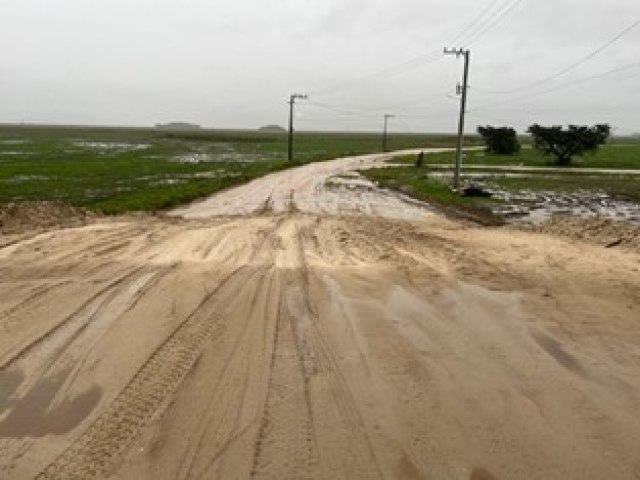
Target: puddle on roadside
{"x": 34, "y": 414}
{"x": 537, "y": 207}
{"x": 518, "y": 207}
{"x": 534, "y": 207}
{"x": 351, "y": 194}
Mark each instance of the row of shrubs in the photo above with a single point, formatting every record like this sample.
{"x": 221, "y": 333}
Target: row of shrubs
{"x": 562, "y": 144}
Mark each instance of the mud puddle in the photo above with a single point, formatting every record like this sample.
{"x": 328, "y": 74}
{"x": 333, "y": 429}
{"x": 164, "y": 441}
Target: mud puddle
{"x": 535, "y": 207}
{"x": 538, "y": 207}
{"x": 37, "y": 413}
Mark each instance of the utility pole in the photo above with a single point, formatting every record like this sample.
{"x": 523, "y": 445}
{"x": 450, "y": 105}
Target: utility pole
{"x": 292, "y": 101}
{"x": 384, "y": 133}
{"x": 461, "y": 90}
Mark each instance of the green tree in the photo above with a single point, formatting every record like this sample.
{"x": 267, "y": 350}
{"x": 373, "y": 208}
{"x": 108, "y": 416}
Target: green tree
{"x": 500, "y": 140}
{"x": 565, "y": 144}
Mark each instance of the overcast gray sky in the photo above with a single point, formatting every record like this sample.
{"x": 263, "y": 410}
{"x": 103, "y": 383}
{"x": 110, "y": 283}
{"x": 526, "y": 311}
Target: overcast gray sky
{"x": 233, "y": 63}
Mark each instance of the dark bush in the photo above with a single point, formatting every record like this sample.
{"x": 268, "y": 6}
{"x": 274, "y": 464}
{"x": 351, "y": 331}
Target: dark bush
{"x": 500, "y": 140}
{"x": 565, "y": 144}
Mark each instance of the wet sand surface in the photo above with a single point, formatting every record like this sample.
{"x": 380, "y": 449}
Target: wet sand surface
{"x": 283, "y": 330}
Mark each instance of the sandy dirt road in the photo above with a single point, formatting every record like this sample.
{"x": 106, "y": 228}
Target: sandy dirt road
{"x": 268, "y": 333}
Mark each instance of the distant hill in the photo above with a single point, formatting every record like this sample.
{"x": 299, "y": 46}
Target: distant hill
{"x": 178, "y": 126}
{"x": 272, "y": 129}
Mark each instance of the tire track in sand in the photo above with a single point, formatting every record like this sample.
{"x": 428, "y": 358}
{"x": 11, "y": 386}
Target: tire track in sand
{"x": 96, "y": 450}
{"x": 311, "y": 426}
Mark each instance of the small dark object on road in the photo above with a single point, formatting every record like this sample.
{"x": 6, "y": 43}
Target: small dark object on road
{"x": 474, "y": 191}
{"x": 615, "y": 243}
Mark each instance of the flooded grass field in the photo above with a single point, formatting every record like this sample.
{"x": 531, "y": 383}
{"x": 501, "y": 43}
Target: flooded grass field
{"x": 526, "y": 187}
{"x": 114, "y": 170}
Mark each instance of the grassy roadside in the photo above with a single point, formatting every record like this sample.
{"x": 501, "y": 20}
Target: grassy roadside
{"x": 415, "y": 183}
{"x": 582, "y": 187}
{"x": 115, "y": 182}
{"x": 112, "y": 170}
{"x": 612, "y": 156}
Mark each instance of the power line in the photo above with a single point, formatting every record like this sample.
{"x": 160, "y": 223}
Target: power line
{"x": 568, "y": 84}
{"x": 336, "y": 119}
{"x": 501, "y": 15}
{"x": 587, "y": 79}
{"x": 416, "y": 62}
{"x": 418, "y": 117}
{"x": 429, "y": 57}
{"x": 473, "y": 23}
{"x": 416, "y": 101}
{"x": 433, "y": 56}
{"x": 484, "y": 19}
{"x": 341, "y": 111}
{"x": 569, "y": 68}
{"x": 363, "y": 114}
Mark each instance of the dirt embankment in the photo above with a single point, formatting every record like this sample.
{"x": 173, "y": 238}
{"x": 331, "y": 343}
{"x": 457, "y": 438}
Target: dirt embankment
{"x": 598, "y": 231}
{"x": 22, "y": 217}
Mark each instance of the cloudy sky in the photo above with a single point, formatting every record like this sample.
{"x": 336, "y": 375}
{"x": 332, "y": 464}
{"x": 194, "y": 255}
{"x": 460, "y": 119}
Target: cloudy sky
{"x": 233, "y": 63}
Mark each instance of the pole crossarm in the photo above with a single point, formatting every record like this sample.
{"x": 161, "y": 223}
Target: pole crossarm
{"x": 455, "y": 51}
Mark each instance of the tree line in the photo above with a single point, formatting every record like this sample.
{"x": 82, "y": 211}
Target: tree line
{"x": 561, "y": 143}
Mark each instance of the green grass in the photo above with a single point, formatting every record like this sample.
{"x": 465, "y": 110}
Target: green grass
{"x": 614, "y": 156}
{"x": 415, "y": 183}
{"x": 64, "y": 163}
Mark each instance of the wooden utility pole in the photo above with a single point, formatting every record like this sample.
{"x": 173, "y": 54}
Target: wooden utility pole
{"x": 462, "y": 90}
{"x": 384, "y": 132}
{"x": 292, "y": 101}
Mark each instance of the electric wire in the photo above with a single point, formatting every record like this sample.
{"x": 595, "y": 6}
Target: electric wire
{"x": 365, "y": 115}
{"x": 486, "y": 19}
{"x": 418, "y": 102}
{"x": 340, "y": 110}
{"x": 569, "y": 68}
{"x": 478, "y": 23}
{"x": 570, "y": 84}
{"x": 501, "y": 15}
{"x": 465, "y": 30}
{"x": 391, "y": 71}
{"x": 416, "y": 62}
{"x": 483, "y": 20}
